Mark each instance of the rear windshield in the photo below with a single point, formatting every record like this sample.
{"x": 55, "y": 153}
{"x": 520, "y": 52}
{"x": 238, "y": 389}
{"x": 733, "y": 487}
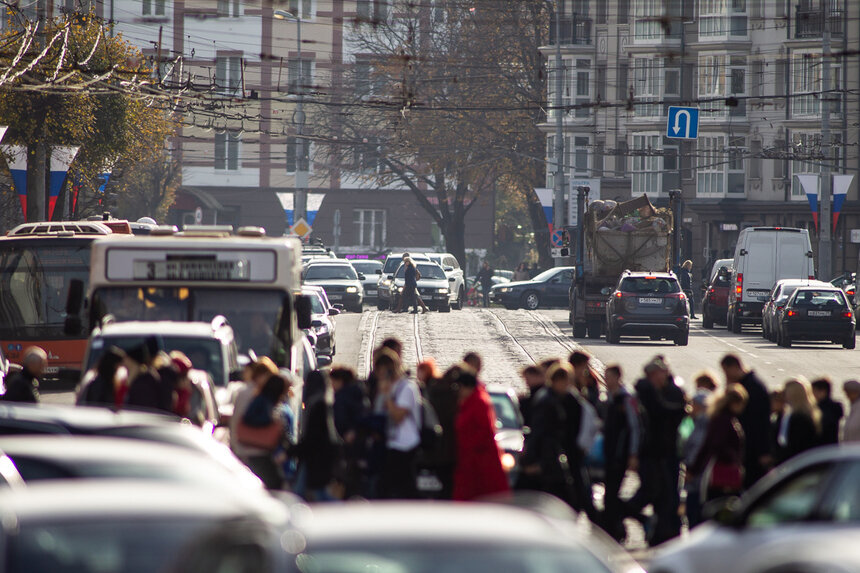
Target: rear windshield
{"x": 820, "y": 299}
{"x": 367, "y": 267}
{"x": 645, "y": 285}
{"x": 427, "y": 270}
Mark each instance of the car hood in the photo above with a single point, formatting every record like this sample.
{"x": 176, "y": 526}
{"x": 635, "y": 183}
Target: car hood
{"x": 426, "y": 283}
{"x": 682, "y": 554}
{"x": 516, "y": 284}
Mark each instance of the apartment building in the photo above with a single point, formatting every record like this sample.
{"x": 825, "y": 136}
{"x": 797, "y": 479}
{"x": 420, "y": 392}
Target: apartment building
{"x": 752, "y": 67}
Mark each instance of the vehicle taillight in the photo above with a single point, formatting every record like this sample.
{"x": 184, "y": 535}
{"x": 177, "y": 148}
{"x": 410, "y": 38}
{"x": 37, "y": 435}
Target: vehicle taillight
{"x": 712, "y": 290}
{"x": 739, "y": 289}
{"x": 847, "y": 314}
{"x": 812, "y": 277}
{"x": 791, "y": 313}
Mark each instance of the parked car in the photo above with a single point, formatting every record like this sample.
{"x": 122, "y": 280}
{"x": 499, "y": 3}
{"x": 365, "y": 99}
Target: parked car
{"x": 322, "y": 325}
{"x": 444, "y": 536}
{"x": 773, "y": 307}
{"x": 549, "y": 288}
{"x": 648, "y": 304}
{"x": 383, "y": 285}
{"x": 433, "y": 286}
{"x": 813, "y": 313}
{"x": 510, "y": 435}
{"x": 368, "y": 268}
{"x": 341, "y": 282}
{"x": 812, "y": 498}
{"x": 137, "y": 526}
{"x": 456, "y": 278}
{"x": 715, "y": 299}
{"x": 763, "y": 256}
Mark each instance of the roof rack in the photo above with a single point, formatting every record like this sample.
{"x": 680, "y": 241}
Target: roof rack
{"x": 60, "y": 229}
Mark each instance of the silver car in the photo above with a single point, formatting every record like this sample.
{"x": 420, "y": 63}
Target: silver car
{"x": 368, "y": 268}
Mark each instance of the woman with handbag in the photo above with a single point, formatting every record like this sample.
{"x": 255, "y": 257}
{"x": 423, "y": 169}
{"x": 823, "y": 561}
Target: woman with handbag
{"x": 720, "y": 461}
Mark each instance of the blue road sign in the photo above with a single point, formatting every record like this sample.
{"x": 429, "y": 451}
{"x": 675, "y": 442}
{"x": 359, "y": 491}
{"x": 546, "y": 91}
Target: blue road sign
{"x": 682, "y": 123}
{"x": 557, "y": 238}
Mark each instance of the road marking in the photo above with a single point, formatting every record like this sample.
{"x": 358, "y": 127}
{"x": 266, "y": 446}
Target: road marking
{"x": 727, "y": 343}
{"x": 419, "y": 354}
{"x": 370, "y": 341}
{"x": 511, "y": 336}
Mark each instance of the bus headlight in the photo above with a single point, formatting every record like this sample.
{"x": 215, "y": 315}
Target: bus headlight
{"x": 352, "y": 290}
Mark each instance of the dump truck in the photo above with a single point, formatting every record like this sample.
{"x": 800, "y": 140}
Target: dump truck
{"x": 634, "y": 236}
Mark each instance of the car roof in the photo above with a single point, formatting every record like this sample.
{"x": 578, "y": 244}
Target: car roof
{"x": 414, "y": 255}
{"x": 322, "y": 262}
{"x": 439, "y": 521}
{"x": 646, "y": 274}
{"x": 78, "y": 500}
{"x": 803, "y": 282}
{"x": 163, "y": 328}
{"x": 120, "y": 450}
{"x": 82, "y": 417}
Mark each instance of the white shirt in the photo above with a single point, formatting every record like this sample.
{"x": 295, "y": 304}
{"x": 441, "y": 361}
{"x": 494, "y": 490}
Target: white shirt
{"x": 405, "y": 435}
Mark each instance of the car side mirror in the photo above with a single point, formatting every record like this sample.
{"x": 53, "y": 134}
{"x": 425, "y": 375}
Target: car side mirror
{"x": 361, "y": 277}
{"x": 391, "y": 277}
{"x": 448, "y": 269}
{"x": 606, "y": 291}
{"x": 323, "y": 360}
{"x": 303, "y": 308}
{"x": 316, "y": 323}
{"x": 339, "y": 307}
{"x": 452, "y": 279}
{"x": 333, "y": 311}
{"x": 723, "y": 511}
{"x": 378, "y": 271}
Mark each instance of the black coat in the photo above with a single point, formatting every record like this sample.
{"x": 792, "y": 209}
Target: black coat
{"x": 617, "y": 432}
{"x": 527, "y": 405}
{"x": 145, "y": 392}
{"x": 318, "y": 447}
{"x": 548, "y": 437}
{"x": 663, "y": 411}
{"x": 685, "y": 279}
{"x": 802, "y": 435}
{"x": 22, "y": 387}
{"x": 444, "y": 396}
{"x": 350, "y": 408}
{"x": 831, "y": 414}
{"x": 755, "y": 421}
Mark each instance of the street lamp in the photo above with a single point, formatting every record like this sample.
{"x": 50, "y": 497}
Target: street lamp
{"x": 300, "y": 202}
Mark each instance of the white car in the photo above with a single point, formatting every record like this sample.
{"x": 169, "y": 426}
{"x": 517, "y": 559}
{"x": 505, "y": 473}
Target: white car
{"x": 456, "y": 278}
{"x": 809, "y": 498}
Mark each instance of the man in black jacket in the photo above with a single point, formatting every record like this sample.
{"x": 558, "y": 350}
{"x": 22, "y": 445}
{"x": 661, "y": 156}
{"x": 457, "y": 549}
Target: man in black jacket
{"x": 831, "y": 411}
{"x": 23, "y": 386}
{"x": 755, "y": 419}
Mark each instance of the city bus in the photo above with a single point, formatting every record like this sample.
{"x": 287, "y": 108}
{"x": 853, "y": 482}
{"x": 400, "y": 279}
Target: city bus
{"x": 199, "y": 274}
{"x": 38, "y": 262}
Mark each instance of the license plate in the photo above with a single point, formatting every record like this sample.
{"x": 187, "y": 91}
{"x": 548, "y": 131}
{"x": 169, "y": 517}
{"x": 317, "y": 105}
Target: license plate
{"x": 650, "y": 301}
{"x": 429, "y": 482}
{"x": 335, "y": 297}
{"x": 818, "y": 313}
{"x": 371, "y": 292}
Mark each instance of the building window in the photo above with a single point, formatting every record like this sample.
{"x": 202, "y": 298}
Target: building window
{"x": 154, "y": 7}
{"x": 301, "y": 8}
{"x": 300, "y": 82}
{"x": 369, "y": 227}
{"x": 721, "y": 75}
{"x": 650, "y": 18}
{"x": 298, "y": 154}
{"x": 646, "y": 87}
{"x": 231, "y": 8}
{"x": 578, "y": 151}
{"x": 582, "y": 88}
{"x": 646, "y": 164}
{"x": 228, "y": 74}
{"x": 736, "y": 166}
{"x": 227, "y": 150}
{"x": 722, "y": 19}
{"x": 710, "y": 170}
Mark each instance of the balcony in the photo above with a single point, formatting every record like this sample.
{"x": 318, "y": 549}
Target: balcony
{"x": 575, "y": 30}
{"x": 808, "y": 22}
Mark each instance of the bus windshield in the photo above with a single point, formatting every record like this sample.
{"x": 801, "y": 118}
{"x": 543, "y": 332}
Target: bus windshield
{"x": 255, "y": 316}
{"x": 34, "y": 281}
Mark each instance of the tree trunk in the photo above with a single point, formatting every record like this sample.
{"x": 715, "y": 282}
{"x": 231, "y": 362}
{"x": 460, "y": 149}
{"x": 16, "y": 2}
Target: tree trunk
{"x": 37, "y": 173}
{"x": 540, "y": 226}
{"x": 455, "y": 234}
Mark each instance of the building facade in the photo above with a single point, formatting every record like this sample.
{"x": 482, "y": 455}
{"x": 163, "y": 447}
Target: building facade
{"x": 754, "y": 70}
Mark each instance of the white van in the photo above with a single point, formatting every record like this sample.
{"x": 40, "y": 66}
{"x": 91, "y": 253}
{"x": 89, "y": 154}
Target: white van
{"x": 763, "y": 256}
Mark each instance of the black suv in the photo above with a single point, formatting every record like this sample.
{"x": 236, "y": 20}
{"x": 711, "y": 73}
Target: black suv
{"x": 648, "y": 304}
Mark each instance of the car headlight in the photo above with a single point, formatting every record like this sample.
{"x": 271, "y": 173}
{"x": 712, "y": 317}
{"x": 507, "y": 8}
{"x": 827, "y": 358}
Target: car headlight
{"x": 351, "y": 289}
{"x": 386, "y": 282}
{"x": 441, "y": 290}
{"x": 509, "y": 462}
{"x": 399, "y": 289}
{"x": 503, "y": 289}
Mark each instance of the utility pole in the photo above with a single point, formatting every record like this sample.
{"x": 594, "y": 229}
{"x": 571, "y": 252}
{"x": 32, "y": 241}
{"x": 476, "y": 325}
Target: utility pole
{"x": 825, "y": 240}
{"x": 558, "y": 195}
{"x": 300, "y": 208}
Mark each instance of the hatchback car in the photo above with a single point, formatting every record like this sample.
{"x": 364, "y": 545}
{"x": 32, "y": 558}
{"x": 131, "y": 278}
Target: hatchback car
{"x": 432, "y": 286}
{"x": 368, "y": 268}
{"x": 383, "y": 286}
{"x": 444, "y": 536}
{"x": 817, "y": 314}
{"x": 648, "y": 304}
{"x": 715, "y": 301}
{"x": 771, "y": 314}
{"x": 549, "y": 288}
{"x": 809, "y": 499}
{"x": 341, "y": 282}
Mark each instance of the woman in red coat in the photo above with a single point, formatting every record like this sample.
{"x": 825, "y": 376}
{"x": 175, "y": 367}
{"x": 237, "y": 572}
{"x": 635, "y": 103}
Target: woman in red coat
{"x": 479, "y": 466}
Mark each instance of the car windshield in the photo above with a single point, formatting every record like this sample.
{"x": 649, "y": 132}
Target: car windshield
{"x": 506, "y": 412}
{"x": 254, "y": 315}
{"x": 546, "y": 275}
{"x": 204, "y": 353}
{"x": 834, "y": 299}
{"x": 130, "y": 546}
{"x": 34, "y": 282}
{"x": 786, "y": 293}
{"x": 366, "y": 267}
{"x": 649, "y": 285}
{"x": 330, "y": 272}
{"x": 427, "y": 270}
{"x": 432, "y": 557}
